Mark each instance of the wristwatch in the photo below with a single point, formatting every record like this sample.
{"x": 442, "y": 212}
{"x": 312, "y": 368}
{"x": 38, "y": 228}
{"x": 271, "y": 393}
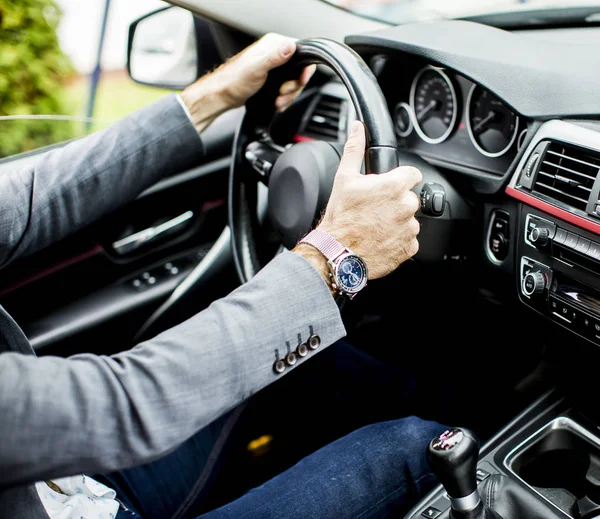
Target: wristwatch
{"x": 348, "y": 271}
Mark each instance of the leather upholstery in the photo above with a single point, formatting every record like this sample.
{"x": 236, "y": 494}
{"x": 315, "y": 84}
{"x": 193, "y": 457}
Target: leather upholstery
{"x": 505, "y": 498}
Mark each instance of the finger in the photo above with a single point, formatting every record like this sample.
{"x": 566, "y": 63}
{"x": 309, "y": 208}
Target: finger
{"x": 297, "y": 84}
{"x": 405, "y": 177}
{"x": 414, "y": 226}
{"x": 411, "y": 203}
{"x": 354, "y": 150}
{"x": 413, "y": 247}
{"x": 276, "y": 49}
{"x": 290, "y": 86}
{"x": 283, "y": 102}
{"x": 307, "y": 73}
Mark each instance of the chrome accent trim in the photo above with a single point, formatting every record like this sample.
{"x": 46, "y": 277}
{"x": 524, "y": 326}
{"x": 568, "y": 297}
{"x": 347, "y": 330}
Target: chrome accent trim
{"x": 521, "y": 139}
{"x": 470, "y": 130}
{"x": 217, "y": 257}
{"x": 561, "y": 131}
{"x": 467, "y": 503}
{"x": 411, "y": 125}
{"x": 136, "y": 240}
{"x": 561, "y": 422}
{"x": 413, "y": 88}
{"x": 524, "y": 260}
{"x": 527, "y": 219}
{"x": 488, "y": 250}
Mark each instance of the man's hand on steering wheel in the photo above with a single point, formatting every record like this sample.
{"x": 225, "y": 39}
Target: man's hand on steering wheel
{"x": 374, "y": 215}
{"x": 238, "y": 79}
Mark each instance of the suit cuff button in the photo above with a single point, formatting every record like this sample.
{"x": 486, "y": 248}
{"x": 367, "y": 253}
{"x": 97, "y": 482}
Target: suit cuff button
{"x": 291, "y": 358}
{"x": 302, "y": 350}
{"x": 314, "y": 342}
{"x": 279, "y": 367}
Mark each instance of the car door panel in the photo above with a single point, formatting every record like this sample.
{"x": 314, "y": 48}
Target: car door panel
{"x": 82, "y": 294}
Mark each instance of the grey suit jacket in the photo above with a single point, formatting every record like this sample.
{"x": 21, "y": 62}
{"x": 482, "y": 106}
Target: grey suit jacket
{"x": 97, "y": 414}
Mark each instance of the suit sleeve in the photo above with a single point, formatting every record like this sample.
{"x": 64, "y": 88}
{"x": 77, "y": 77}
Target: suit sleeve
{"x": 98, "y": 414}
{"x": 70, "y": 187}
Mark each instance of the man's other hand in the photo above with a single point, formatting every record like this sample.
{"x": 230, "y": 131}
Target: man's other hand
{"x": 238, "y": 79}
{"x": 373, "y": 215}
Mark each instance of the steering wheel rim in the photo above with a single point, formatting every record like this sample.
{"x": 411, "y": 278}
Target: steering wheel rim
{"x": 250, "y": 248}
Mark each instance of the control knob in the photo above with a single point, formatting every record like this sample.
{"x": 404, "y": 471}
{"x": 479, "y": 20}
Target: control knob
{"x": 539, "y": 236}
{"x": 534, "y": 283}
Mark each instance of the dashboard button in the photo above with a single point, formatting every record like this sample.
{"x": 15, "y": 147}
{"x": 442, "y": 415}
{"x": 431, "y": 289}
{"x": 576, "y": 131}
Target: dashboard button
{"x": 437, "y": 203}
{"x": 561, "y": 236}
{"x": 553, "y": 304}
{"x": 571, "y": 240}
{"x": 594, "y": 251}
{"x": 534, "y": 283}
{"x": 539, "y": 236}
{"x": 482, "y": 475}
{"x": 596, "y": 329}
{"x": 583, "y": 245}
{"x": 563, "y": 311}
{"x": 498, "y": 245}
{"x": 501, "y": 225}
{"x": 586, "y": 325}
{"x": 431, "y": 513}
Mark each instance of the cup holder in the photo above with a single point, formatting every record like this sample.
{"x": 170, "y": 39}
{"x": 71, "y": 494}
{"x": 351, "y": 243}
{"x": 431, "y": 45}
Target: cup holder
{"x": 562, "y": 463}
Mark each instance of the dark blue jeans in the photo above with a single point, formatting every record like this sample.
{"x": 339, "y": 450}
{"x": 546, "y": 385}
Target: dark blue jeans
{"x": 377, "y": 470}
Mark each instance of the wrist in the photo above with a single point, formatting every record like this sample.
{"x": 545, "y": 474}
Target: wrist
{"x": 205, "y": 101}
{"x": 317, "y": 260}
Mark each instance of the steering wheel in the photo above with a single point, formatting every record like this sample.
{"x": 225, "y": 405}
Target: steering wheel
{"x": 299, "y": 177}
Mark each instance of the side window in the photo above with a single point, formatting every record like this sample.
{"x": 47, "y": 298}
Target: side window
{"x": 63, "y": 69}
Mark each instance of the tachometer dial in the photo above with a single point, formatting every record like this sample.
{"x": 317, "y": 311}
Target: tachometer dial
{"x": 492, "y": 126}
{"x": 434, "y": 105}
{"x": 403, "y": 119}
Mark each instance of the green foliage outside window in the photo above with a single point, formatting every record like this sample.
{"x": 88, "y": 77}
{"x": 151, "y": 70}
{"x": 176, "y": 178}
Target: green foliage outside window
{"x": 33, "y": 70}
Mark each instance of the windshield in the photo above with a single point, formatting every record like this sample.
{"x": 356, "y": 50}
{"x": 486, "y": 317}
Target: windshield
{"x": 406, "y": 11}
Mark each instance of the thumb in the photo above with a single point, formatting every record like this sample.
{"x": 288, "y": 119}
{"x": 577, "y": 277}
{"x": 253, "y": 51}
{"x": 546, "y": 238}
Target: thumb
{"x": 277, "y": 49}
{"x": 354, "y": 150}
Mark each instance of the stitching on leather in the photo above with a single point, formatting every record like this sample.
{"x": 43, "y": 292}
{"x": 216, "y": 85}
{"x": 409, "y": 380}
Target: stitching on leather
{"x": 492, "y": 492}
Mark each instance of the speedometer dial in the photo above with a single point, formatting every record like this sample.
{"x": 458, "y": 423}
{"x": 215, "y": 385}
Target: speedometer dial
{"x": 492, "y": 126}
{"x": 434, "y": 105}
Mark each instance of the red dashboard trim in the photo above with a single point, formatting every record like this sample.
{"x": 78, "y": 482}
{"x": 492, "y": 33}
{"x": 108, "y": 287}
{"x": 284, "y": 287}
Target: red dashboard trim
{"x": 553, "y": 210}
{"x": 303, "y": 138}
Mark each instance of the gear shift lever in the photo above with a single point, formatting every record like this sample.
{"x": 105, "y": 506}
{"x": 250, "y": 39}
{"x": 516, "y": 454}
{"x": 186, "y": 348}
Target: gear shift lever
{"x": 453, "y": 458}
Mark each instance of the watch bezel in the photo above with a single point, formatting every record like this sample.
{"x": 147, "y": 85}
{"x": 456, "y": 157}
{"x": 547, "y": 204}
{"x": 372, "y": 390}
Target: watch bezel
{"x": 336, "y": 275}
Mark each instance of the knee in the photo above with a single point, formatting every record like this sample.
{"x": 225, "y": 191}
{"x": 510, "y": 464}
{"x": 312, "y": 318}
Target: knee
{"x": 404, "y": 443}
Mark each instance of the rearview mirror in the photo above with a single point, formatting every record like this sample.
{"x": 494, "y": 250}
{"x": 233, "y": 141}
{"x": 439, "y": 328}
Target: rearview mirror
{"x": 163, "y": 50}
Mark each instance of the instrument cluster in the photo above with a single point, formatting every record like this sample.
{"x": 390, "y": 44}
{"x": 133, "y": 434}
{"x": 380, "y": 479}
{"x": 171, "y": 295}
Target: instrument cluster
{"x": 447, "y": 116}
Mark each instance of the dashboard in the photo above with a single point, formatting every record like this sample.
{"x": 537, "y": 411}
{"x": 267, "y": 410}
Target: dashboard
{"x": 512, "y": 125}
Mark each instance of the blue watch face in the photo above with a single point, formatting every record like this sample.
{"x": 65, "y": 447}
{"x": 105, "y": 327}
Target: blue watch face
{"x": 351, "y": 274}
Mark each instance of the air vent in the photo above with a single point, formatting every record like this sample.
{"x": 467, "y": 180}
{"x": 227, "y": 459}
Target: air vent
{"x": 567, "y": 174}
{"x": 325, "y": 121}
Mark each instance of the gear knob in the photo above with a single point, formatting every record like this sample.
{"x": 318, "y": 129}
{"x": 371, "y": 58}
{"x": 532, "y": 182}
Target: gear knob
{"x": 453, "y": 457}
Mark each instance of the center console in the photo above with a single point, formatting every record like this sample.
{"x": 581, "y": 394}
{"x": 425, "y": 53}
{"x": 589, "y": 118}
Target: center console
{"x": 546, "y": 462}
{"x": 559, "y": 272}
